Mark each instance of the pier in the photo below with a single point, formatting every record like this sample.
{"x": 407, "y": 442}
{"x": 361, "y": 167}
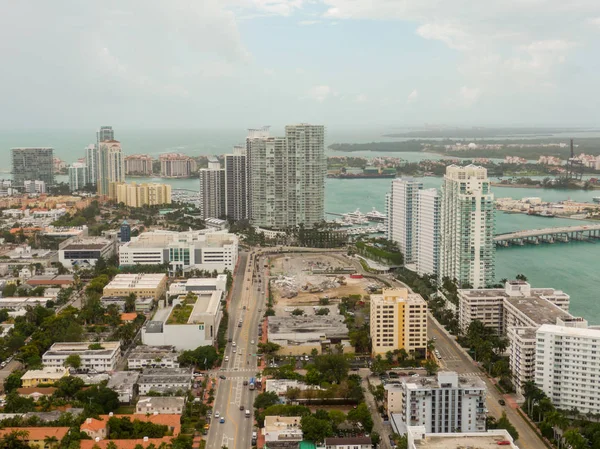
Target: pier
{"x": 588, "y": 233}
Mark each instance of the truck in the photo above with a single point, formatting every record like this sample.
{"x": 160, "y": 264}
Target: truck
{"x": 251, "y": 384}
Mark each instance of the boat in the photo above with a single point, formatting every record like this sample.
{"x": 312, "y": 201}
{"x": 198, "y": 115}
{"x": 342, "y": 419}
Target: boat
{"x": 596, "y": 199}
{"x": 375, "y": 215}
{"x": 545, "y": 213}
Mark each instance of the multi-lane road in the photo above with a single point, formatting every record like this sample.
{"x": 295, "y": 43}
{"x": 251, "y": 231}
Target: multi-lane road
{"x": 246, "y": 308}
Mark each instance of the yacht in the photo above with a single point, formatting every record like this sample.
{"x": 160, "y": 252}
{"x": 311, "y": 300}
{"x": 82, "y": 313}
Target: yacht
{"x": 375, "y": 215}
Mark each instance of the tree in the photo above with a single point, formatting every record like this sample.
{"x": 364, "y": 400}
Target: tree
{"x": 265, "y": 400}
{"x": 431, "y": 367}
{"x": 3, "y": 315}
{"x": 504, "y": 423}
{"x": 322, "y": 311}
{"x": 202, "y": 356}
{"x": 337, "y": 417}
{"x": 334, "y": 367}
{"x": 375, "y": 438}
{"x": 130, "y": 303}
{"x": 315, "y": 429}
{"x": 9, "y": 290}
{"x": 50, "y": 441}
{"x": 297, "y": 312}
{"x": 268, "y": 348}
{"x": 74, "y": 361}
{"x": 15, "y": 440}
{"x": 575, "y": 440}
{"x": 13, "y": 381}
{"x": 362, "y": 415}
{"x": 18, "y": 404}
{"x": 521, "y": 277}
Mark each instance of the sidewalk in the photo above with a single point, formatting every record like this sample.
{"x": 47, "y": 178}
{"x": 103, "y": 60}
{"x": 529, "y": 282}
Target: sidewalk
{"x": 378, "y": 424}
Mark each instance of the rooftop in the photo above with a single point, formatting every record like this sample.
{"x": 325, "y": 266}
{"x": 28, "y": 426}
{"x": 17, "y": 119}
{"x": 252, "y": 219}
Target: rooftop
{"x": 82, "y": 348}
{"x": 136, "y": 281}
{"x": 150, "y": 352}
{"x": 37, "y": 433}
{"x": 87, "y": 243}
{"x": 46, "y": 373}
{"x": 165, "y": 375}
{"x": 570, "y": 331}
{"x": 161, "y": 402}
{"x": 458, "y": 441}
{"x": 123, "y": 379}
{"x": 302, "y": 328}
{"x": 347, "y": 441}
{"x": 540, "y": 311}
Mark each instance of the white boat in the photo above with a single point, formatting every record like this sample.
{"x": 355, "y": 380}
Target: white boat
{"x": 375, "y": 215}
{"x": 356, "y": 215}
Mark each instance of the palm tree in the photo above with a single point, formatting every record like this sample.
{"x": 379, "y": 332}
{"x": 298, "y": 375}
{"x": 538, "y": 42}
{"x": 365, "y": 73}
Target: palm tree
{"x": 50, "y": 441}
{"x": 575, "y": 440}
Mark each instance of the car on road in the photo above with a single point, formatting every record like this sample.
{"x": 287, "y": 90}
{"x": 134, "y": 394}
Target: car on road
{"x": 222, "y": 377}
{"x": 217, "y": 414}
{"x": 222, "y": 420}
{"x": 233, "y": 344}
{"x": 251, "y": 342}
{"x": 239, "y": 324}
{"x": 245, "y": 382}
{"x": 241, "y": 407}
{"x": 234, "y": 350}
{"x": 501, "y": 402}
{"x": 227, "y": 358}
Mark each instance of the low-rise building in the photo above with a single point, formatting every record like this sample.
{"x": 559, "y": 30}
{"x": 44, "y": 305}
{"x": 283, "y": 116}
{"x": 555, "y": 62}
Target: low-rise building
{"x": 445, "y": 403}
{"x": 13, "y": 303}
{"x": 124, "y": 383}
{"x": 160, "y": 405}
{"x": 143, "y": 285}
{"x": 281, "y": 386}
{"x": 418, "y": 438}
{"x": 99, "y": 430}
{"x": 95, "y": 428}
{"x": 47, "y": 375}
{"x": 165, "y": 380}
{"x": 85, "y": 251}
{"x": 282, "y": 432}
{"x": 38, "y": 436}
{"x": 103, "y": 359}
{"x": 198, "y": 285}
{"x": 349, "y": 443}
{"x": 92, "y": 379}
{"x": 142, "y": 305}
{"x": 189, "y": 322}
{"x": 153, "y": 357}
{"x": 139, "y": 195}
{"x": 35, "y": 392}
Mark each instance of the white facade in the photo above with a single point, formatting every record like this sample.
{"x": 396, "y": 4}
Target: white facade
{"x": 567, "y": 366}
{"x": 160, "y": 405}
{"x": 402, "y": 216}
{"x": 286, "y": 176}
{"x": 153, "y": 356}
{"x": 198, "y": 285}
{"x": 34, "y": 186}
{"x": 164, "y": 380}
{"x": 418, "y": 438}
{"x": 448, "y": 403}
{"x": 91, "y": 160}
{"x": 283, "y": 429}
{"x": 78, "y": 176}
{"x": 84, "y": 251}
{"x": 204, "y": 250}
{"x": 236, "y": 184}
{"x": 212, "y": 190}
{"x": 467, "y": 250}
{"x": 176, "y": 165}
{"x": 100, "y": 360}
{"x": 111, "y": 167}
{"x": 428, "y": 232}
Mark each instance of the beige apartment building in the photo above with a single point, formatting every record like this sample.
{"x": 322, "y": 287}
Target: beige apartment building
{"x": 398, "y": 321}
{"x": 139, "y": 195}
{"x": 142, "y": 285}
{"x": 138, "y": 164}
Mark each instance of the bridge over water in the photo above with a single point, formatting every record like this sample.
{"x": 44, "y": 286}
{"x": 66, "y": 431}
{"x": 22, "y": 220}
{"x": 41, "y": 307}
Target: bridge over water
{"x": 589, "y": 232}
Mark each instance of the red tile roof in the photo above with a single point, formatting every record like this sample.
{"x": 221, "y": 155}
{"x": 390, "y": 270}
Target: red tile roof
{"x": 37, "y": 433}
{"x": 124, "y": 444}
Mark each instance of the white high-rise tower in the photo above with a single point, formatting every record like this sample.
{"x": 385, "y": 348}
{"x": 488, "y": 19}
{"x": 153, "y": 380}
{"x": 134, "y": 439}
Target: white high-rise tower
{"x": 212, "y": 190}
{"x": 428, "y": 232}
{"x": 402, "y": 204}
{"x": 111, "y": 168}
{"x": 467, "y": 251}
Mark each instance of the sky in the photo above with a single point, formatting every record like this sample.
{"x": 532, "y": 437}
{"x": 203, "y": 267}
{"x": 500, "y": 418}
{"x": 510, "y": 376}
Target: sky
{"x": 74, "y": 64}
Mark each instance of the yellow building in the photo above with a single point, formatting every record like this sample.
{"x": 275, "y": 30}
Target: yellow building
{"x": 398, "y": 321}
{"x": 46, "y": 437}
{"x": 138, "y": 195}
{"x": 33, "y": 378}
{"x": 152, "y": 285}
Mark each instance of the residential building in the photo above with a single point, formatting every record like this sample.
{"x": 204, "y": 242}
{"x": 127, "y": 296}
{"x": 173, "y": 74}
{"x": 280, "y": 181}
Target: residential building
{"x": 103, "y": 359}
{"x": 487, "y": 304}
{"x": 32, "y": 164}
{"x": 99, "y": 429}
{"x": 163, "y": 380}
{"x": 142, "y": 304}
{"x": 58, "y": 165}
{"x": 47, "y": 375}
{"x": 236, "y": 184}
{"x": 91, "y": 160}
{"x": 78, "y": 176}
{"x": 143, "y": 356}
{"x": 177, "y": 165}
{"x": 202, "y": 249}
{"x": 398, "y": 321}
{"x": 212, "y": 190}
{"x": 138, "y": 164}
{"x": 418, "y": 438}
{"x": 38, "y": 436}
{"x": 84, "y": 251}
{"x": 166, "y": 405}
{"x": 567, "y": 365}
{"x": 428, "y": 232}
{"x": 104, "y": 133}
{"x": 216, "y": 224}
{"x": 125, "y": 232}
{"x": 349, "y": 443}
{"x": 111, "y": 168}
{"x": 286, "y": 176}
{"x": 200, "y": 328}
{"x": 152, "y": 285}
{"x": 139, "y": 195}
{"x": 124, "y": 383}
{"x": 467, "y": 250}
{"x": 35, "y": 393}
{"x": 282, "y": 431}
{"x": 402, "y": 216}
{"x": 125, "y": 444}
{"x": 441, "y": 404}
{"x": 96, "y": 429}
{"x": 34, "y": 186}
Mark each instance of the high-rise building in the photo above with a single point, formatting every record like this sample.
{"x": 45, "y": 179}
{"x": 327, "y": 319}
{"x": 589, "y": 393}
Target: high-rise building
{"x": 78, "y": 176}
{"x": 398, "y": 321}
{"x": 111, "y": 169}
{"x": 566, "y": 366}
{"x": 138, "y": 164}
{"x": 30, "y": 164}
{"x": 138, "y": 195}
{"x": 442, "y": 404}
{"x": 402, "y": 214}
{"x": 236, "y": 184}
{"x": 428, "y": 231}
{"x": 125, "y": 232}
{"x": 34, "y": 186}
{"x": 103, "y": 134}
{"x": 286, "y": 176}
{"x": 177, "y": 165}
{"x": 467, "y": 251}
{"x": 212, "y": 190}
{"x": 91, "y": 160}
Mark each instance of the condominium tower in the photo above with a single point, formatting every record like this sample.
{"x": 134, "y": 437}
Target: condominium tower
{"x": 111, "y": 169}
{"x": 236, "y": 184}
{"x": 138, "y": 195}
{"x": 286, "y": 176}
{"x": 212, "y": 190}
{"x": 138, "y": 164}
{"x": 398, "y": 321}
{"x": 467, "y": 252}
{"x": 402, "y": 210}
{"x": 428, "y": 233}
{"x": 176, "y": 165}
{"x": 31, "y": 164}
{"x": 91, "y": 160}
{"x": 103, "y": 134}
{"x": 78, "y": 176}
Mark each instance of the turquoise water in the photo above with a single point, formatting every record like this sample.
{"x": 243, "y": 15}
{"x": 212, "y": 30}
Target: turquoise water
{"x": 571, "y": 267}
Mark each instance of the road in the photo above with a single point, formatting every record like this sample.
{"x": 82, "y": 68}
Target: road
{"x": 453, "y": 359}
{"x": 231, "y": 393}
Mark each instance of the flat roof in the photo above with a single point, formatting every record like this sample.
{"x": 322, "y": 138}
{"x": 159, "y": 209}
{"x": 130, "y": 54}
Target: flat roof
{"x": 207, "y": 303}
{"x": 458, "y": 441}
{"x": 571, "y": 331}
{"x": 540, "y": 311}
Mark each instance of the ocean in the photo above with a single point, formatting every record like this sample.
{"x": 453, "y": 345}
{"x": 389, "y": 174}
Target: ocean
{"x": 571, "y": 267}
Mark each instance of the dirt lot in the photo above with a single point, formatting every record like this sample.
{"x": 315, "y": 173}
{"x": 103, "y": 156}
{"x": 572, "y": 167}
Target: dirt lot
{"x": 293, "y": 272}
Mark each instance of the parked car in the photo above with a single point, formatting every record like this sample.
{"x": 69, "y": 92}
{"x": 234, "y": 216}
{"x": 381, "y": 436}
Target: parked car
{"x": 501, "y": 402}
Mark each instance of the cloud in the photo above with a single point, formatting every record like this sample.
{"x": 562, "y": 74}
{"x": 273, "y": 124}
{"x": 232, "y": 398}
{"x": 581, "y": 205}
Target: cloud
{"x": 451, "y": 35}
{"x": 320, "y": 93}
{"x": 412, "y": 97}
{"x": 308, "y": 22}
{"x": 467, "y": 96}
{"x": 361, "y": 98}
{"x": 594, "y": 21}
